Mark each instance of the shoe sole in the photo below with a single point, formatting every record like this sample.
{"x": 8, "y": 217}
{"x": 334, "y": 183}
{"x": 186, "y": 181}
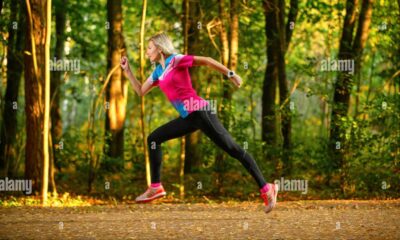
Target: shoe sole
{"x": 159, "y": 195}
{"x": 276, "y": 190}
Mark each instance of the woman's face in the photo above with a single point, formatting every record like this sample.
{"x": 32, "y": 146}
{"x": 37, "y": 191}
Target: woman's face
{"x": 152, "y": 52}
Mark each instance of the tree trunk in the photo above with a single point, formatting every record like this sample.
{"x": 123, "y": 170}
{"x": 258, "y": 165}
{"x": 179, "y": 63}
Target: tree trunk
{"x": 117, "y": 88}
{"x": 360, "y": 39}
{"x": 342, "y": 94}
{"x": 8, "y": 148}
{"x": 278, "y": 39}
{"x": 290, "y": 24}
{"x": 56, "y": 77}
{"x": 192, "y": 45}
{"x": 34, "y": 87}
{"x": 286, "y": 122}
{"x": 182, "y": 155}
{"x": 348, "y": 50}
{"x": 268, "y": 122}
{"x": 229, "y": 49}
{"x": 142, "y": 102}
{"x": 46, "y": 121}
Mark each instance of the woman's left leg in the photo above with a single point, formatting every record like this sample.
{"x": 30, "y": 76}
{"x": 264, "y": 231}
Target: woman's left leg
{"x": 213, "y": 128}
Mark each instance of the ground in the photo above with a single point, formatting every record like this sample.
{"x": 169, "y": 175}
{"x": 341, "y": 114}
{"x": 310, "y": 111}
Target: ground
{"x": 332, "y": 219}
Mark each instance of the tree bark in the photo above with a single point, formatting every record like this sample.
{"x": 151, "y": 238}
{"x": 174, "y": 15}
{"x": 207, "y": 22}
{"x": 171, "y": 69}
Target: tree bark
{"x": 349, "y": 49}
{"x": 56, "y": 78}
{"x": 46, "y": 120}
{"x": 34, "y": 87}
{"x": 229, "y": 48}
{"x": 268, "y": 113}
{"x": 142, "y": 102}
{"x": 360, "y": 39}
{"x": 182, "y": 155}
{"x": 192, "y": 45}
{"x": 117, "y": 88}
{"x": 278, "y": 39}
{"x": 284, "y": 97}
{"x": 290, "y": 24}
{"x": 9, "y": 128}
{"x": 342, "y": 94}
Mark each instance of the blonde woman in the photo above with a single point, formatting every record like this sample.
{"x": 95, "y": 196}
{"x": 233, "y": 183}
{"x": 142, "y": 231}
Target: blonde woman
{"x": 171, "y": 75}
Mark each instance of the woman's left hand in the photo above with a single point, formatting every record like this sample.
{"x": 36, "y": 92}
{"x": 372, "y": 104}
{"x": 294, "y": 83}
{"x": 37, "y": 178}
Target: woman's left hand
{"x": 237, "y": 80}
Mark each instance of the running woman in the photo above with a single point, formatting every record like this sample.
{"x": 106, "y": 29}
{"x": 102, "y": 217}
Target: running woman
{"x": 172, "y": 76}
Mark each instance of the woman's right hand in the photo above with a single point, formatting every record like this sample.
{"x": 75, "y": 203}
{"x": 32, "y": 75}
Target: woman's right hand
{"x": 124, "y": 63}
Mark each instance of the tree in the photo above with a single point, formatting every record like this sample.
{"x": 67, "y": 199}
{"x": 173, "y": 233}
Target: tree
{"x": 46, "y": 121}
{"x": 269, "y": 128}
{"x": 142, "y": 103}
{"x": 8, "y": 148}
{"x": 278, "y": 39}
{"x": 56, "y": 76}
{"x": 117, "y": 88}
{"x": 229, "y": 38}
{"x": 37, "y": 93}
{"x": 350, "y": 48}
{"x": 192, "y": 45}
{"x": 55, "y": 85}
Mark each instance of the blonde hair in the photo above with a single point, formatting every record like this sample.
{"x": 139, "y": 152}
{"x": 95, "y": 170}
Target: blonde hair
{"x": 164, "y": 43}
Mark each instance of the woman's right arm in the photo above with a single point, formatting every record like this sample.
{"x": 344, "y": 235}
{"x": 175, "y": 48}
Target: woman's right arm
{"x": 140, "y": 89}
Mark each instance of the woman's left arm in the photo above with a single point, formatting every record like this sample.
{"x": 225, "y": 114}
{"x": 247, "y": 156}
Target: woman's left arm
{"x": 210, "y": 62}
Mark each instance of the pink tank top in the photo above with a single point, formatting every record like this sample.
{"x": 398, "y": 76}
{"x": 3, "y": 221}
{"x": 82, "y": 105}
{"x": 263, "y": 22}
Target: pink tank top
{"x": 174, "y": 81}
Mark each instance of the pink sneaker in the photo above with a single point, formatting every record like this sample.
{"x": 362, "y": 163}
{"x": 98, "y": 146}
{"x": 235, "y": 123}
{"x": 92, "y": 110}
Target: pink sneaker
{"x": 151, "y": 194}
{"x": 270, "y": 197}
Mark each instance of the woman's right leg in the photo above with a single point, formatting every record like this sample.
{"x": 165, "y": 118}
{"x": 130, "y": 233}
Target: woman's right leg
{"x": 173, "y": 129}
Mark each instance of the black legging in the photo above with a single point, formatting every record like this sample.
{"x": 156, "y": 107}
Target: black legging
{"x": 209, "y": 124}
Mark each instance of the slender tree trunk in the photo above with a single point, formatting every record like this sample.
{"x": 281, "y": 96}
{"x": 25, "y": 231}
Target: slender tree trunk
{"x": 234, "y": 38}
{"x": 219, "y": 158}
{"x": 182, "y": 170}
{"x": 142, "y": 102}
{"x": 46, "y": 122}
{"x": 52, "y": 181}
{"x": 223, "y": 34}
{"x": 8, "y": 148}
{"x": 117, "y": 88}
{"x": 284, "y": 95}
{"x": 291, "y": 22}
{"x": 361, "y": 37}
{"x": 56, "y": 77}
{"x": 192, "y": 45}
{"x": 229, "y": 49}
{"x": 182, "y": 154}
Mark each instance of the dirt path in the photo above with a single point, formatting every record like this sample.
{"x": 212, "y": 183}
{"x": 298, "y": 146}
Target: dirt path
{"x": 291, "y": 220}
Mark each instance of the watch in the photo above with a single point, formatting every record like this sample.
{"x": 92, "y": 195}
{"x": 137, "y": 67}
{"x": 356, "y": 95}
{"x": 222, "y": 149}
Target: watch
{"x": 231, "y": 73}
